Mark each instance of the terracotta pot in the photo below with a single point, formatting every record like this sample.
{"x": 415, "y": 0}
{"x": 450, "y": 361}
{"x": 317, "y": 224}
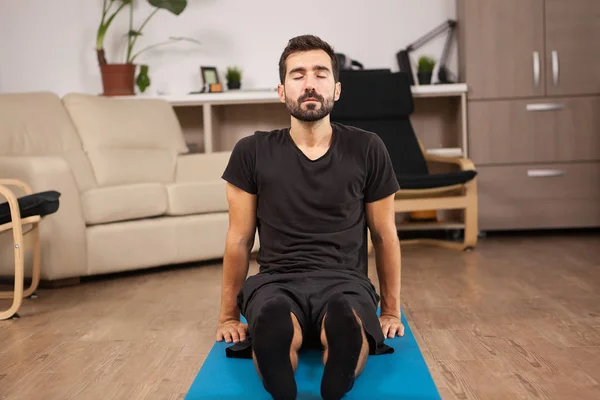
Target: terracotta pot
{"x": 117, "y": 79}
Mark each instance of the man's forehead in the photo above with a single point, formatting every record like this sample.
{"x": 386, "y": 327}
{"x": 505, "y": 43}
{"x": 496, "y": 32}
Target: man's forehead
{"x": 308, "y": 59}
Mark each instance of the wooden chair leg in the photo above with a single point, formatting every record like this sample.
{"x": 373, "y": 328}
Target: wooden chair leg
{"x": 35, "y": 278}
{"x": 471, "y": 225}
{"x": 35, "y": 273}
{"x": 19, "y": 273}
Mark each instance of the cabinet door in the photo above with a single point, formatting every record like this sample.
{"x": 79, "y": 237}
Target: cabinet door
{"x": 554, "y": 129}
{"x": 538, "y": 196}
{"x": 572, "y": 47}
{"x": 503, "y": 47}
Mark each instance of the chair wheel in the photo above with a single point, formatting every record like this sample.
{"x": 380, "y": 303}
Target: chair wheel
{"x": 33, "y": 296}
{"x": 16, "y": 316}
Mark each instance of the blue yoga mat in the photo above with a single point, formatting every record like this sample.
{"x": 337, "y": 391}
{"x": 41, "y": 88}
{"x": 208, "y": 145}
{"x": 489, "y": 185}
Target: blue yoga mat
{"x": 400, "y": 375}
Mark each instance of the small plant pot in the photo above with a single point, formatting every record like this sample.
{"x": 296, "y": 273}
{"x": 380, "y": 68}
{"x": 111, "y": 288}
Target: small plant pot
{"x": 233, "y": 85}
{"x": 424, "y": 78}
{"x": 118, "y": 79}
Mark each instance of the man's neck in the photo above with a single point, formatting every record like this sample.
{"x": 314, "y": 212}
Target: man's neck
{"x": 311, "y": 134}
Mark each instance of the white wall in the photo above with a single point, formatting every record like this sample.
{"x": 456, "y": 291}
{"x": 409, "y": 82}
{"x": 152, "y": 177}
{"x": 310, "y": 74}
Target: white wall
{"x": 49, "y": 45}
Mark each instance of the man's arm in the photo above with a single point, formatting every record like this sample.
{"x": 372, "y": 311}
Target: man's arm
{"x": 381, "y": 220}
{"x": 239, "y": 242}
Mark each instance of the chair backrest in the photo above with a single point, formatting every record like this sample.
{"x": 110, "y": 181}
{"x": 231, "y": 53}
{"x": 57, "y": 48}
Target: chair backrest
{"x": 127, "y": 140}
{"x": 382, "y": 102}
{"x": 37, "y": 124}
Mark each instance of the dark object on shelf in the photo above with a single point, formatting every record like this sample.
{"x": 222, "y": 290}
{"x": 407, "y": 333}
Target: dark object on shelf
{"x": 346, "y": 62}
{"x": 424, "y": 78}
{"x": 403, "y": 56}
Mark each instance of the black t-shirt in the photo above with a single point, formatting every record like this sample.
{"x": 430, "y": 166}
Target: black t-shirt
{"x": 311, "y": 213}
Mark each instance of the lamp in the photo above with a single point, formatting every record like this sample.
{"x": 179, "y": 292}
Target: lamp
{"x": 404, "y": 59}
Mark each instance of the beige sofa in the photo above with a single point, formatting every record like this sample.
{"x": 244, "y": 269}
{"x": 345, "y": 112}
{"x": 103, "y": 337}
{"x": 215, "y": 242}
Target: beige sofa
{"x": 131, "y": 196}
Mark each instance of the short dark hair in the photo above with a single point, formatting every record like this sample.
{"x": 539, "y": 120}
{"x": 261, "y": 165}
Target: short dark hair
{"x": 306, "y": 43}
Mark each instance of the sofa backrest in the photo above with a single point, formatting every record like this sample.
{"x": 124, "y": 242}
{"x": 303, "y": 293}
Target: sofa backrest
{"x": 202, "y": 167}
{"x": 37, "y": 124}
{"x": 127, "y": 140}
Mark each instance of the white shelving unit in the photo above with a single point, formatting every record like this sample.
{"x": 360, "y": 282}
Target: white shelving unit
{"x": 218, "y": 120}
{"x": 271, "y": 96}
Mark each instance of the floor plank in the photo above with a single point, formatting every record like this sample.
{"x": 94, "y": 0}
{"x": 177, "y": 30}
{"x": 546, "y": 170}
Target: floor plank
{"x": 518, "y": 318}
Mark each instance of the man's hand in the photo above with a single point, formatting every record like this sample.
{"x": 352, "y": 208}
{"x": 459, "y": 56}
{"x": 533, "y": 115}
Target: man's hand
{"x": 391, "y": 326}
{"x": 231, "y": 330}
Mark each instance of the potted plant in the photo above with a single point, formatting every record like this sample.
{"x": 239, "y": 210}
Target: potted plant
{"x": 118, "y": 79}
{"x": 234, "y": 78}
{"x": 425, "y": 70}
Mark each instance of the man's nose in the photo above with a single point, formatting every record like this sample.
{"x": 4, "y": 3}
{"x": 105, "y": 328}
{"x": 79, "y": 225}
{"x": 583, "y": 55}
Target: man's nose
{"x": 309, "y": 88}
{"x": 309, "y": 84}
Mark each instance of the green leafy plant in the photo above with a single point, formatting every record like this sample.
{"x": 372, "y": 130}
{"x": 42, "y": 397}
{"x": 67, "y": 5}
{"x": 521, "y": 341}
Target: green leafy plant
{"x": 234, "y": 74}
{"x": 426, "y": 64}
{"x": 176, "y": 7}
{"x": 107, "y": 18}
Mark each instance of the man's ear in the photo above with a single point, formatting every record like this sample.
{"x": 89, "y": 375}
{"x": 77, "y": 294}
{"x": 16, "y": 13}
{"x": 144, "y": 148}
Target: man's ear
{"x": 281, "y": 92}
{"x": 338, "y": 91}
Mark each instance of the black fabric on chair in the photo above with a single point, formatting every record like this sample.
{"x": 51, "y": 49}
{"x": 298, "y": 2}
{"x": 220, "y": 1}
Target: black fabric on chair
{"x": 417, "y": 181}
{"x": 42, "y": 204}
{"x": 382, "y": 102}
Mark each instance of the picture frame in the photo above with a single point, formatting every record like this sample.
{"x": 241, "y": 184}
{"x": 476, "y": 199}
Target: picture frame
{"x": 210, "y": 79}
{"x": 210, "y": 75}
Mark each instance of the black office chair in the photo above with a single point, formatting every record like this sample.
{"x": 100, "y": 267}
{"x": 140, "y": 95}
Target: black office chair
{"x": 382, "y": 103}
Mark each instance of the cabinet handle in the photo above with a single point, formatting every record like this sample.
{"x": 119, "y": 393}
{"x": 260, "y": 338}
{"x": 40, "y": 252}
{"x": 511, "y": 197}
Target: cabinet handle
{"x": 544, "y": 107}
{"x": 555, "y": 70}
{"x": 536, "y": 68}
{"x": 545, "y": 173}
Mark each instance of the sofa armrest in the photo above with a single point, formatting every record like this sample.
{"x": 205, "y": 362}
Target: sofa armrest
{"x": 201, "y": 167}
{"x": 63, "y": 236}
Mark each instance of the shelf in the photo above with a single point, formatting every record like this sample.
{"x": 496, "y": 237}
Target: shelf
{"x": 229, "y": 97}
{"x": 426, "y": 226}
{"x": 217, "y": 121}
{"x": 271, "y": 95}
{"x": 451, "y": 89}
{"x": 446, "y": 151}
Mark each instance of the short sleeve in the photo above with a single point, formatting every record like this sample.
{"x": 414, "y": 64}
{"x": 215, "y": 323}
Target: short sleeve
{"x": 240, "y": 170}
{"x": 381, "y": 178}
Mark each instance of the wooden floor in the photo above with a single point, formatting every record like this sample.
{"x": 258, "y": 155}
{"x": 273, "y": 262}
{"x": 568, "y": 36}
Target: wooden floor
{"x": 519, "y": 318}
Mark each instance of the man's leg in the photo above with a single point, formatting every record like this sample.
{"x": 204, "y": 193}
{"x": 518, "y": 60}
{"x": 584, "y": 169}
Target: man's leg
{"x": 345, "y": 348}
{"x": 276, "y": 340}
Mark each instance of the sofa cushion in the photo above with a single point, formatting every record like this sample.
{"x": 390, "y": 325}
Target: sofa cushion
{"x": 187, "y": 198}
{"x": 127, "y": 140}
{"x": 119, "y": 203}
{"x": 201, "y": 167}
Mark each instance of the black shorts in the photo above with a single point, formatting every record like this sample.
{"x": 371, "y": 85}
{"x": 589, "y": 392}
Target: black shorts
{"x": 307, "y": 294}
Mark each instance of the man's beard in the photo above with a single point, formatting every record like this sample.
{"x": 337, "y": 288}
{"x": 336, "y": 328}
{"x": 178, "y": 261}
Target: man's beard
{"x": 311, "y": 113}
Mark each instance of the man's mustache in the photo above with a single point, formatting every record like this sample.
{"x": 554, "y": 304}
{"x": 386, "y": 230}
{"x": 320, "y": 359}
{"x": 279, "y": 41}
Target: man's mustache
{"x": 310, "y": 95}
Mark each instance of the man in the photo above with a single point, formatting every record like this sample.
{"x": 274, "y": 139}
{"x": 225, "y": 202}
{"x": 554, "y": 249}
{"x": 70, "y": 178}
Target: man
{"x": 312, "y": 190}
